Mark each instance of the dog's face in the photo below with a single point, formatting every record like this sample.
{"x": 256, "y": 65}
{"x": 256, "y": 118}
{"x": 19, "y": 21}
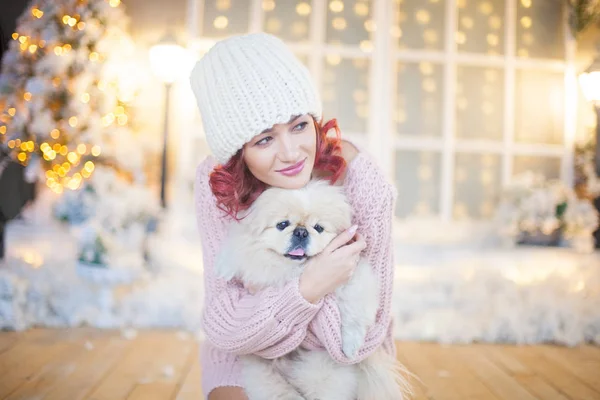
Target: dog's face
{"x": 298, "y": 223}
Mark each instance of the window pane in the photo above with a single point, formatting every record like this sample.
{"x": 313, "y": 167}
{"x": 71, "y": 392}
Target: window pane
{"x": 418, "y": 108}
{"x": 479, "y": 103}
{"x": 225, "y": 17}
{"x": 419, "y": 24}
{"x": 539, "y": 107}
{"x": 540, "y": 29}
{"x": 548, "y": 166}
{"x": 288, "y": 19}
{"x": 418, "y": 182}
{"x": 350, "y": 23}
{"x": 346, "y": 92}
{"x": 480, "y": 26}
{"x": 477, "y": 180}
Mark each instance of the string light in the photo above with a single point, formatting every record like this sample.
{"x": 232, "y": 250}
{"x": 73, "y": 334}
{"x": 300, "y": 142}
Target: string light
{"x": 114, "y": 3}
{"x": 303, "y": 9}
{"x": 27, "y": 96}
{"x": 361, "y": 9}
{"x": 339, "y": 23}
{"x": 336, "y": 6}
{"x": 2, "y": 130}
{"x": 268, "y": 5}
{"x": 72, "y": 157}
{"x": 12, "y": 111}
{"x": 221, "y": 22}
{"x": 96, "y": 151}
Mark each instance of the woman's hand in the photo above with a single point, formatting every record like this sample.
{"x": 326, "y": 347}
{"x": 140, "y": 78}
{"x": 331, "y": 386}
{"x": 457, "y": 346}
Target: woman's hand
{"x": 332, "y": 267}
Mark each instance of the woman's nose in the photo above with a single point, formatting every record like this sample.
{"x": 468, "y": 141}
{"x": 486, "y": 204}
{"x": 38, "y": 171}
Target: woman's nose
{"x": 288, "y": 151}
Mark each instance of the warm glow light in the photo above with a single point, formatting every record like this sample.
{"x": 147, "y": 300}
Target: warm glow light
{"x": 85, "y": 97}
{"x": 12, "y": 111}
{"x": 58, "y": 50}
{"x": 15, "y": 36}
{"x": 361, "y": 9}
{"x": 336, "y": 6}
{"x": 2, "y": 130}
{"x": 168, "y": 61}
{"x": 96, "y": 151}
{"x": 81, "y": 149}
{"x": 73, "y": 121}
{"x": 55, "y": 133}
{"x": 590, "y": 85}
{"x": 94, "y": 56}
{"x": 339, "y": 23}
{"x": 221, "y": 22}
{"x": 81, "y": 25}
{"x": 22, "y": 157}
{"x": 114, "y": 3}
{"x": 303, "y": 9}
{"x": 27, "y": 96}
{"x": 32, "y": 48}
{"x": 268, "y": 5}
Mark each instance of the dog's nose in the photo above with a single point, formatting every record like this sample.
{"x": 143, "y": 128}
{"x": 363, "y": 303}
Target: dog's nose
{"x": 300, "y": 232}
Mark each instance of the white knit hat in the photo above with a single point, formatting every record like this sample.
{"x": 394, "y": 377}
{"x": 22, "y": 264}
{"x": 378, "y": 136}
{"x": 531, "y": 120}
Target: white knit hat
{"x": 246, "y": 84}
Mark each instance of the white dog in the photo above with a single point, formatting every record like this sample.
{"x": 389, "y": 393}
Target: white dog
{"x": 269, "y": 247}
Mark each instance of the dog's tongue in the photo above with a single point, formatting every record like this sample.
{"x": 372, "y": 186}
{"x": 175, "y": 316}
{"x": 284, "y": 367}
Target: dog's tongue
{"x": 297, "y": 252}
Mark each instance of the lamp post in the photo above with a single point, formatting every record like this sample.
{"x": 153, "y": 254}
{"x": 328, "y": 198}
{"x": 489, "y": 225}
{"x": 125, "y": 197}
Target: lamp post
{"x": 590, "y": 86}
{"x": 166, "y": 60}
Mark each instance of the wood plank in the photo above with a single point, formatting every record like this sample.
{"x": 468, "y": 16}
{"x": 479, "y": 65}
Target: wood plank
{"x": 60, "y": 368}
{"x": 437, "y": 384}
{"x": 587, "y": 371}
{"x": 418, "y": 387}
{"x": 554, "y": 374}
{"x": 521, "y": 373}
{"x": 191, "y": 388}
{"x": 156, "y": 356}
{"x": 29, "y": 342}
{"x": 91, "y": 369}
{"x": 37, "y": 351}
{"x": 153, "y": 391}
{"x": 590, "y": 351}
{"x": 496, "y": 379}
{"x": 467, "y": 384}
{"x": 8, "y": 339}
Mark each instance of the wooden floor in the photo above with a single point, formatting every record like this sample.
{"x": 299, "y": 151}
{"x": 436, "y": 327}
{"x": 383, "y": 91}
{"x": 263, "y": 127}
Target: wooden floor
{"x": 159, "y": 365}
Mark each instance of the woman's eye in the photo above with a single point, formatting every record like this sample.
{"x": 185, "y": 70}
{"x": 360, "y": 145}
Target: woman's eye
{"x": 302, "y": 125}
{"x": 282, "y": 225}
{"x": 264, "y": 141}
{"x": 319, "y": 228}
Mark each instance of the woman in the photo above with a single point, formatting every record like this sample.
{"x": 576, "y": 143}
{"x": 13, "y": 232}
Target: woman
{"x": 262, "y": 119}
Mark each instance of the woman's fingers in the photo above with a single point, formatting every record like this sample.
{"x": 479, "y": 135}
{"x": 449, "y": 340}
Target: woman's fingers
{"x": 342, "y": 238}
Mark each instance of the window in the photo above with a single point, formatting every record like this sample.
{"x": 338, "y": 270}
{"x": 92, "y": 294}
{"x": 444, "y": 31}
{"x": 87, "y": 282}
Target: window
{"x": 453, "y": 96}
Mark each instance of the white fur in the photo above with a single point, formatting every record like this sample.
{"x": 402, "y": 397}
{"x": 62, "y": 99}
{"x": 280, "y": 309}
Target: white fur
{"x": 254, "y": 252}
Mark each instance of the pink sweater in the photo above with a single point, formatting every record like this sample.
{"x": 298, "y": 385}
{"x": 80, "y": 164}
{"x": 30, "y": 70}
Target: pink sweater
{"x": 274, "y": 322}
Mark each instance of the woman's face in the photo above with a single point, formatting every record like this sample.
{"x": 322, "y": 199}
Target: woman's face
{"x": 284, "y": 155}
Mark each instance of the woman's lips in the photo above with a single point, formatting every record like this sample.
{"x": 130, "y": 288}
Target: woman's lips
{"x": 294, "y": 169}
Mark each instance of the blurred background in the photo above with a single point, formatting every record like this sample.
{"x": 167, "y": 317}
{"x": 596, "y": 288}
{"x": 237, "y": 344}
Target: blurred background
{"x": 482, "y": 112}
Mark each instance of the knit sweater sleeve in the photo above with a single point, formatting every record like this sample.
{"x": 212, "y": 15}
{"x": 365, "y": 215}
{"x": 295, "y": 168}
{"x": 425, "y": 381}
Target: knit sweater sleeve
{"x": 373, "y": 199}
{"x": 270, "y": 323}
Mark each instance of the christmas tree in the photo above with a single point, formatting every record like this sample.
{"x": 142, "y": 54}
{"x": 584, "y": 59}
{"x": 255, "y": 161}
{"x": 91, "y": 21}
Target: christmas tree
{"x": 63, "y": 104}
{"x": 66, "y": 89}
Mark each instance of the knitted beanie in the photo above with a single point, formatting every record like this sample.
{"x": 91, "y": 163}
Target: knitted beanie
{"x": 246, "y": 84}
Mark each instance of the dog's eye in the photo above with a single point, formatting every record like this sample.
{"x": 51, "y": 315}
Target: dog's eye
{"x": 282, "y": 225}
{"x": 319, "y": 228}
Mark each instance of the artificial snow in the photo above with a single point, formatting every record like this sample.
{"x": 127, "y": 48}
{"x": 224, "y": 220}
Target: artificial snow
{"x": 459, "y": 287}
